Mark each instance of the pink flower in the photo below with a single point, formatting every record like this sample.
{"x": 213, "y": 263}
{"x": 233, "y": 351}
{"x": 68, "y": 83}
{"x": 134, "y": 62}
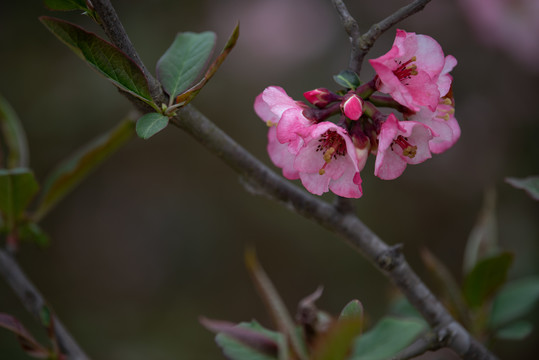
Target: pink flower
{"x": 409, "y": 72}
{"x": 400, "y": 143}
{"x": 352, "y": 106}
{"x": 442, "y": 122}
{"x": 272, "y": 105}
{"x": 329, "y": 161}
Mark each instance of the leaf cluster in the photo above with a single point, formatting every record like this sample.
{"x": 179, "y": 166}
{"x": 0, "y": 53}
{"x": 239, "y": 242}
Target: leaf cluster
{"x": 180, "y": 70}
{"x": 314, "y": 334}
{"x": 485, "y": 302}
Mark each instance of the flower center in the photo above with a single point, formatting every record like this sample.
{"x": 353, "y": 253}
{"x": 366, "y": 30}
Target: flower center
{"x": 407, "y": 149}
{"x": 333, "y": 145}
{"x": 406, "y": 70}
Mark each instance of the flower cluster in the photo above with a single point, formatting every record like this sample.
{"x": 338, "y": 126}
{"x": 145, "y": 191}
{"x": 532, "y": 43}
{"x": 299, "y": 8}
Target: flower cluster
{"x": 414, "y": 77}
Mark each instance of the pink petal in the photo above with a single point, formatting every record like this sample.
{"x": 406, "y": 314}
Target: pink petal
{"x": 263, "y": 110}
{"x": 388, "y": 165}
{"x": 281, "y": 156}
{"x": 278, "y": 100}
{"x": 292, "y": 123}
{"x": 445, "y": 80}
{"x": 315, "y": 183}
{"x": 348, "y": 185}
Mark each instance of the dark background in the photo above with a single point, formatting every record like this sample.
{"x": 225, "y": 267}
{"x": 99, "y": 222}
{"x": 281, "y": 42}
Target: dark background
{"x": 155, "y": 237}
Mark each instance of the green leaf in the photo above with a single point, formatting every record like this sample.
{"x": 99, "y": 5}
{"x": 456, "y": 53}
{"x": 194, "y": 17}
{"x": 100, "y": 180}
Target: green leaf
{"x": 389, "y": 337}
{"x": 530, "y": 184}
{"x": 74, "y": 169}
{"x": 348, "y": 79}
{"x": 183, "y": 62}
{"x": 12, "y": 136}
{"x": 353, "y": 310}
{"x": 401, "y": 307}
{"x": 514, "y": 300}
{"x": 192, "y": 92}
{"x": 337, "y": 341}
{"x": 483, "y": 239}
{"x": 45, "y": 316}
{"x": 515, "y": 331}
{"x": 486, "y": 278}
{"x": 17, "y": 187}
{"x": 150, "y": 124}
{"x": 247, "y": 340}
{"x": 447, "y": 284}
{"x": 30, "y": 231}
{"x": 102, "y": 56}
{"x": 66, "y": 5}
{"x": 275, "y": 304}
{"x": 26, "y": 340}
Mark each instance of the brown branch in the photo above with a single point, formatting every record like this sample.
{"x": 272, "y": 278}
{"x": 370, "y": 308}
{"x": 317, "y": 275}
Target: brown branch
{"x": 34, "y": 302}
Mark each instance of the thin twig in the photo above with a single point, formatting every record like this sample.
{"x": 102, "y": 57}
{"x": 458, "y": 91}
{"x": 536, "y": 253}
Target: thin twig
{"x": 115, "y": 31}
{"x": 262, "y": 180}
{"x": 368, "y": 39}
{"x": 361, "y": 44}
{"x": 352, "y": 29}
{"x": 34, "y": 302}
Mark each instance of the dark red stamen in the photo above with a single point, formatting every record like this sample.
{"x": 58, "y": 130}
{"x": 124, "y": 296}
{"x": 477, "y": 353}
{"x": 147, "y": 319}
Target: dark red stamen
{"x": 333, "y": 145}
{"x": 405, "y": 72}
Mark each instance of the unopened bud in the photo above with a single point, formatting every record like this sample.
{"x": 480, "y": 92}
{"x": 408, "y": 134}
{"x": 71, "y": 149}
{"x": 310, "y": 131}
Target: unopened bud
{"x": 321, "y": 97}
{"x": 352, "y": 106}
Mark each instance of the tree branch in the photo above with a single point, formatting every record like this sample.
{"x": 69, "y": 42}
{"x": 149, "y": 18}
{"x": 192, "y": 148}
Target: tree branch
{"x": 260, "y": 179}
{"x": 34, "y": 302}
{"x": 428, "y": 342}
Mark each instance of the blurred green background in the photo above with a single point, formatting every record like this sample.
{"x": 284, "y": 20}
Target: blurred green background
{"x": 155, "y": 237}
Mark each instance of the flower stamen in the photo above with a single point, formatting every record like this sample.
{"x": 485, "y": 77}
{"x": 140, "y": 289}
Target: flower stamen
{"x": 333, "y": 146}
{"x": 405, "y": 70}
{"x": 407, "y": 149}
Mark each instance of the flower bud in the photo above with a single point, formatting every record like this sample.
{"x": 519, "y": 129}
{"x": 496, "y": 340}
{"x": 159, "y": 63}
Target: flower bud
{"x": 352, "y": 106}
{"x": 321, "y": 97}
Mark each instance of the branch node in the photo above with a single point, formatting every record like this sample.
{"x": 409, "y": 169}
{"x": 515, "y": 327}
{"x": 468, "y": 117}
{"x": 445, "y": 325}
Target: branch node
{"x": 456, "y": 337}
{"x": 390, "y": 258}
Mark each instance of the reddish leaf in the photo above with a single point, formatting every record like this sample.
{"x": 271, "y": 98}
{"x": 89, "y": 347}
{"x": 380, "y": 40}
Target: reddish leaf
{"x": 190, "y": 93}
{"x": 27, "y": 341}
{"x": 256, "y": 340}
{"x": 275, "y": 304}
